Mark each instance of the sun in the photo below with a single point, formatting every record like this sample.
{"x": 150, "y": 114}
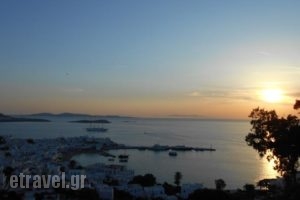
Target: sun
{"x": 272, "y": 95}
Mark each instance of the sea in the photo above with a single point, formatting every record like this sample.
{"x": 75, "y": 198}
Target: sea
{"x": 233, "y": 161}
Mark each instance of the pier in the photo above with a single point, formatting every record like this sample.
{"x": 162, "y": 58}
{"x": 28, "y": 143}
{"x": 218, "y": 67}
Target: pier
{"x": 157, "y": 147}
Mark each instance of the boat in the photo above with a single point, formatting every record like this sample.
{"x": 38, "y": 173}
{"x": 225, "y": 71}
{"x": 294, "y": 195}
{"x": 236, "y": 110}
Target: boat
{"x": 172, "y": 153}
{"x": 96, "y": 129}
{"x": 123, "y": 156}
{"x": 123, "y": 160}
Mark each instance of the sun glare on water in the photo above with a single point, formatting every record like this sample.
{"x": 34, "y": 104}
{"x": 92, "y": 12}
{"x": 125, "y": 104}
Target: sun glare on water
{"x": 272, "y": 95}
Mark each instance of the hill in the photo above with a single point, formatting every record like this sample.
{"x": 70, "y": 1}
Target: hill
{"x": 6, "y": 118}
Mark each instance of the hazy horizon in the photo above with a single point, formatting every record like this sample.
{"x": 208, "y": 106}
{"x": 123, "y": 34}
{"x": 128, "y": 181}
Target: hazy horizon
{"x": 149, "y": 58}
{"x": 192, "y": 117}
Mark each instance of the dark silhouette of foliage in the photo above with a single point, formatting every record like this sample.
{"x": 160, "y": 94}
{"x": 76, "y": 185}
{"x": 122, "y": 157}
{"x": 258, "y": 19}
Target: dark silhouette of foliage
{"x": 2, "y": 140}
{"x": 209, "y": 194}
{"x": 4, "y": 148}
{"x": 297, "y": 104}
{"x": 177, "y": 178}
{"x": 170, "y": 189}
{"x": 72, "y": 164}
{"x": 250, "y": 190}
{"x": 249, "y": 187}
{"x": 111, "y": 182}
{"x": 122, "y": 195}
{"x": 150, "y": 180}
{"x": 30, "y": 141}
{"x": 11, "y": 195}
{"x": 145, "y": 181}
{"x": 277, "y": 138}
{"x": 220, "y": 184}
{"x": 7, "y": 172}
{"x": 7, "y": 154}
{"x": 81, "y": 194}
{"x": 264, "y": 183}
{"x": 62, "y": 169}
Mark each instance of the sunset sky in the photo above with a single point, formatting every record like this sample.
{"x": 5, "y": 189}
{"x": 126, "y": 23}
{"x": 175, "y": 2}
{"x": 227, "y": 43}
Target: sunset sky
{"x": 149, "y": 58}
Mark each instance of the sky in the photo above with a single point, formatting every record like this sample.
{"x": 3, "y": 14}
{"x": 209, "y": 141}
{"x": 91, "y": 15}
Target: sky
{"x": 211, "y": 59}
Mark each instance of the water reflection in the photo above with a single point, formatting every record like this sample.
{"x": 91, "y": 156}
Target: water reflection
{"x": 267, "y": 170}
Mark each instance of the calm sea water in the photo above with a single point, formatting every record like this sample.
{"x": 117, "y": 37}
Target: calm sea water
{"x": 233, "y": 161}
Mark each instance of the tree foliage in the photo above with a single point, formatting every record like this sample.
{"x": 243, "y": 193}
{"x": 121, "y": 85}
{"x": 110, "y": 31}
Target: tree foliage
{"x": 145, "y": 181}
{"x": 72, "y": 164}
{"x": 170, "y": 189}
{"x": 277, "y": 138}
{"x": 2, "y": 139}
{"x": 220, "y": 184}
{"x": 264, "y": 183}
{"x": 177, "y": 178}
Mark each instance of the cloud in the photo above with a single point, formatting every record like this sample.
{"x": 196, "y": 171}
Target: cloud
{"x": 245, "y": 94}
{"x": 194, "y": 94}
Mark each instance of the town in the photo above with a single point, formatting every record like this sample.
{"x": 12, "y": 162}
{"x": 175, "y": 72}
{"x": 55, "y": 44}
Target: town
{"x": 53, "y": 157}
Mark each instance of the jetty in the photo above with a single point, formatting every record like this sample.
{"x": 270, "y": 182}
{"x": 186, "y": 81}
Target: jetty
{"x": 158, "y": 147}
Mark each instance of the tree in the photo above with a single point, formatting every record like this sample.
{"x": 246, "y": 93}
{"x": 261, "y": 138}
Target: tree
{"x": 30, "y": 141}
{"x": 145, "y": 181}
{"x": 72, "y": 164}
{"x": 263, "y": 184}
{"x": 220, "y": 184}
{"x": 122, "y": 195}
{"x": 7, "y": 154}
{"x": 297, "y": 104}
{"x": 149, "y": 180}
{"x": 9, "y": 195}
{"x": 250, "y": 190}
{"x": 249, "y": 187}
{"x": 2, "y": 139}
{"x": 170, "y": 189}
{"x": 278, "y": 139}
{"x": 62, "y": 169}
{"x": 177, "y": 178}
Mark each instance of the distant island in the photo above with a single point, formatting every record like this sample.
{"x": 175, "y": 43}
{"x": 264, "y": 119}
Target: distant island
{"x": 59, "y": 115}
{"x": 6, "y": 118}
{"x": 102, "y": 121}
{"x": 66, "y": 114}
